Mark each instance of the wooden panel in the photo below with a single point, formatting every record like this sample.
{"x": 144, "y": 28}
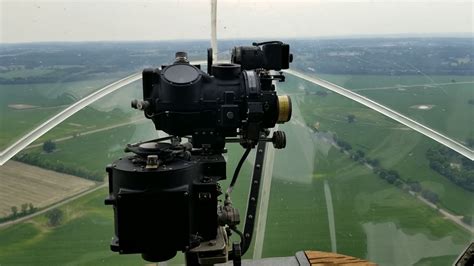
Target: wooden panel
{"x": 319, "y": 258}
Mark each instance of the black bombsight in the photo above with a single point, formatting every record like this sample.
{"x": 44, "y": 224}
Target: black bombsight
{"x": 234, "y": 99}
{"x": 166, "y": 194}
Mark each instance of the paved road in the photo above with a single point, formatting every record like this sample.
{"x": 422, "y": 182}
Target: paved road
{"x": 133, "y": 121}
{"x": 438, "y": 137}
{"x": 58, "y": 204}
{"x": 27, "y": 139}
{"x": 445, "y": 213}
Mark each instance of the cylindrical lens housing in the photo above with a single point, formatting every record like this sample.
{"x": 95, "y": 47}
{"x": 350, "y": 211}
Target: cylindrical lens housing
{"x": 284, "y": 109}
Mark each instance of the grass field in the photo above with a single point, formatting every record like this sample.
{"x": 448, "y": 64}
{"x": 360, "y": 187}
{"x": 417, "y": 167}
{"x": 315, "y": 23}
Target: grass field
{"x": 22, "y": 183}
{"x": 373, "y": 219}
{"x": 23, "y": 73}
{"x": 84, "y": 236}
{"x": 396, "y": 146}
{"x": 45, "y": 100}
{"x": 450, "y": 112}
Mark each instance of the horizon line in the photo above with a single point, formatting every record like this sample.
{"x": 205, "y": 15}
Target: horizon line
{"x": 325, "y": 37}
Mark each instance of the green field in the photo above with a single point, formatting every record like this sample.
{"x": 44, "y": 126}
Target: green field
{"x": 393, "y": 144}
{"x": 373, "y": 219}
{"x": 42, "y": 101}
{"x": 84, "y": 236}
{"x": 23, "y": 73}
{"x": 450, "y": 112}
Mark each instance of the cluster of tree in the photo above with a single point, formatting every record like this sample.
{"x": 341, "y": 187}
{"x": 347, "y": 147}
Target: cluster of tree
{"x": 375, "y": 163}
{"x": 36, "y": 159}
{"x": 391, "y": 176}
{"x": 55, "y": 217}
{"x": 25, "y": 209}
{"x": 358, "y": 156}
{"x": 430, "y": 196}
{"x": 455, "y": 167}
{"x": 471, "y": 101}
{"x": 344, "y": 145}
{"x": 351, "y": 118}
{"x": 49, "y": 146}
{"x": 414, "y": 186}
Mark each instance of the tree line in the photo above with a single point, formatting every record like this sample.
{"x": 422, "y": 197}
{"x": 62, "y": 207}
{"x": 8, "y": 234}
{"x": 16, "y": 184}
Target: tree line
{"x": 25, "y": 209}
{"x": 389, "y": 175}
{"x": 37, "y": 160}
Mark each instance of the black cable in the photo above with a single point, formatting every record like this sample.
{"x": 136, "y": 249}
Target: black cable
{"x": 237, "y": 169}
{"x": 242, "y": 238}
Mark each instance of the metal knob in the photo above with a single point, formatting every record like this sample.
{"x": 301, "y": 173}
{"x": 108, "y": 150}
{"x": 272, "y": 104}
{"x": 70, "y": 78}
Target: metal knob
{"x": 279, "y": 140}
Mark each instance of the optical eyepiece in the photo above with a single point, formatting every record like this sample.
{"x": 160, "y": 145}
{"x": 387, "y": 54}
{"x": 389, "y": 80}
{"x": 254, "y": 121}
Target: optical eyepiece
{"x": 273, "y": 55}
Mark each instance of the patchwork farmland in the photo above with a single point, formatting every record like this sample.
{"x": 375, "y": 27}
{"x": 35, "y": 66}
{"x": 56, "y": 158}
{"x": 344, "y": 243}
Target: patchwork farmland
{"x": 23, "y": 184}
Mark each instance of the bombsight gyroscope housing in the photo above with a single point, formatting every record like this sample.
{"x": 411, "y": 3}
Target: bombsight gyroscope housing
{"x": 165, "y": 194}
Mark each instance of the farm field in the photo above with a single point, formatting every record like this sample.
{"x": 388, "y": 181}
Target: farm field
{"x": 369, "y": 217}
{"x": 82, "y": 238}
{"x": 366, "y": 209}
{"x": 22, "y": 183}
{"x": 320, "y": 198}
{"x": 114, "y": 109}
{"x": 394, "y": 145}
{"x": 443, "y": 107}
{"x": 84, "y": 235}
{"x": 25, "y": 106}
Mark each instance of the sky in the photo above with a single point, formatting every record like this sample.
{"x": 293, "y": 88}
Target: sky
{"x": 152, "y": 20}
